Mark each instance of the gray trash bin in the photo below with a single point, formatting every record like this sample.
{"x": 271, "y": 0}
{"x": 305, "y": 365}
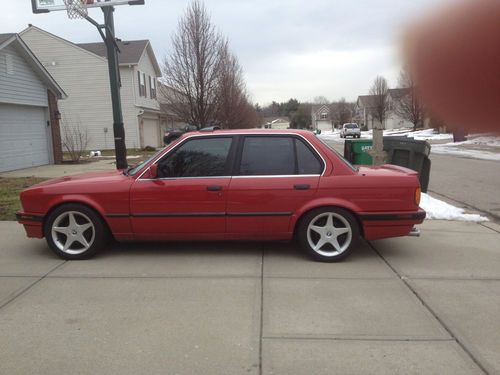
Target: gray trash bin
{"x": 410, "y": 153}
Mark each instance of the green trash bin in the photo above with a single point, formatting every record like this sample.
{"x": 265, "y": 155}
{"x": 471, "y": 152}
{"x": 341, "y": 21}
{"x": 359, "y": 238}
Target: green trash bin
{"x": 356, "y": 151}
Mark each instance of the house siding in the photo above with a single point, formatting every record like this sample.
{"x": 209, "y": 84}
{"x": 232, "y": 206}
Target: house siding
{"x": 19, "y": 84}
{"x": 85, "y": 79}
{"x": 146, "y": 66}
{"x": 129, "y": 110}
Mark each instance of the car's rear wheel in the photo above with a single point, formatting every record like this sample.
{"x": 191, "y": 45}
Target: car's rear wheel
{"x": 328, "y": 234}
{"x": 74, "y": 231}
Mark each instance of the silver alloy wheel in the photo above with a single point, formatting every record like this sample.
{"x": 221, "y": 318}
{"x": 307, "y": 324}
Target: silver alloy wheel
{"x": 324, "y": 238}
{"x": 73, "y": 232}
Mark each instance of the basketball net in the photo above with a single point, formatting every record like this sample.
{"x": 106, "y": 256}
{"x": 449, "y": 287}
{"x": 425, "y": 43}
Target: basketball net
{"x": 76, "y": 8}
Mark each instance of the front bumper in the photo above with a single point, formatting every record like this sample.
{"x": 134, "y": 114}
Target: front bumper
{"x": 33, "y": 224}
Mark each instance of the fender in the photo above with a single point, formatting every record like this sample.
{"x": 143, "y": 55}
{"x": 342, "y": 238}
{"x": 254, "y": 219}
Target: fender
{"x": 322, "y": 202}
{"x": 76, "y": 198}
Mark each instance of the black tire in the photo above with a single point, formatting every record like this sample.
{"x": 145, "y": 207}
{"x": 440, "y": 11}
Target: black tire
{"x": 96, "y": 235}
{"x": 341, "y": 220}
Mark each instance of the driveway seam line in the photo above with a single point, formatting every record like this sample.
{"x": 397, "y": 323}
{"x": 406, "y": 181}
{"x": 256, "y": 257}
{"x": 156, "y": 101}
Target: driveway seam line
{"x": 422, "y": 301}
{"x": 261, "y": 328}
{"x": 497, "y": 231}
{"x": 360, "y": 338}
{"x": 204, "y": 277}
{"x": 24, "y": 290}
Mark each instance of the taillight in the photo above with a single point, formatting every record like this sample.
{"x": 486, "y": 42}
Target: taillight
{"x": 418, "y": 193}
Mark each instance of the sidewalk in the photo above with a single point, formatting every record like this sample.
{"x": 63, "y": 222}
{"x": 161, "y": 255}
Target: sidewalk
{"x": 427, "y": 305}
{"x": 59, "y": 170}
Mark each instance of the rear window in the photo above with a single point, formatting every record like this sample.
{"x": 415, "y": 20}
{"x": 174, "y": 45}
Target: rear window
{"x": 351, "y": 126}
{"x": 276, "y": 155}
{"x": 267, "y": 156}
{"x": 339, "y": 155}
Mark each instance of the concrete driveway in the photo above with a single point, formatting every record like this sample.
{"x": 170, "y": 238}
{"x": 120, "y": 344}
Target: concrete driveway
{"x": 428, "y": 305}
{"x": 59, "y": 170}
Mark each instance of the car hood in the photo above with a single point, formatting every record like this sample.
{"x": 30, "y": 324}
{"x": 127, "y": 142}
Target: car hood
{"x": 84, "y": 178}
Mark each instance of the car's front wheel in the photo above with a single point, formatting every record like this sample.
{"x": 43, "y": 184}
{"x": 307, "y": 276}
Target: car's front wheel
{"x": 328, "y": 234}
{"x": 74, "y": 231}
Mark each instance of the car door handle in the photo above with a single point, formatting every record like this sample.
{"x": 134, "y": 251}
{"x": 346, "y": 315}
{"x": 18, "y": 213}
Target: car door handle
{"x": 214, "y": 187}
{"x": 301, "y": 187}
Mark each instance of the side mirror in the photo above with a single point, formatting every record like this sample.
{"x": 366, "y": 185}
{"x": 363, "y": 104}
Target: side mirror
{"x": 153, "y": 171}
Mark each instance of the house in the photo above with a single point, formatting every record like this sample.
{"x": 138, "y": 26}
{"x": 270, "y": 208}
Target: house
{"x": 366, "y": 104}
{"x": 276, "y": 123}
{"x": 322, "y": 117}
{"x": 29, "y": 115}
{"x": 82, "y": 70}
{"x": 168, "y": 118}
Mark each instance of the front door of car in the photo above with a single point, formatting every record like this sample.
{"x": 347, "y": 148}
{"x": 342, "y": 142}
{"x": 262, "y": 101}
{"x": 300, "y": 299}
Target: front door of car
{"x": 274, "y": 176}
{"x": 187, "y": 199}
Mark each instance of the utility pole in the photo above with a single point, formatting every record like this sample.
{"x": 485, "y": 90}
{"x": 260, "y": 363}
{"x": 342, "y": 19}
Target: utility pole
{"x": 115, "y": 84}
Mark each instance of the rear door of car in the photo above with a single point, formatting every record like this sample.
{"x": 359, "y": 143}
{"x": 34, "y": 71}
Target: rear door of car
{"x": 187, "y": 200}
{"x": 273, "y": 176}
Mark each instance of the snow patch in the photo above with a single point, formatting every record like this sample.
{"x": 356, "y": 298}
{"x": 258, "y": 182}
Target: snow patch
{"x": 458, "y": 149}
{"x": 439, "y": 210}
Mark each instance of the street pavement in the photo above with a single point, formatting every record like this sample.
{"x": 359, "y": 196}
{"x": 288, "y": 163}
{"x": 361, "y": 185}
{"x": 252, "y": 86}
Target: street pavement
{"x": 427, "y": 305}
{"x": 468, "y": 183}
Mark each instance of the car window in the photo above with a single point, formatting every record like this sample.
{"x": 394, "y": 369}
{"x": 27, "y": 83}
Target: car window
{"x": 196, "y": 158}
{"x": 307, "y": 162}
{"x": 264, "y": 156}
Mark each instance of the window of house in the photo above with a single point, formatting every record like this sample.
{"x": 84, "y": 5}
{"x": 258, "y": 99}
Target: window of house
{"x": 9, "y": 64}
{"x": 142, "y": 83}
{"x": 197, "y": 158}
{"x": 323, "y": 116}
{"x": 152, "y": 87}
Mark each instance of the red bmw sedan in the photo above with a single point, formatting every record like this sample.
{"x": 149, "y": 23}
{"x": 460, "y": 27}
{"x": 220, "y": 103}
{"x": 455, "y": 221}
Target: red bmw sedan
{"x": 228, "y": 185}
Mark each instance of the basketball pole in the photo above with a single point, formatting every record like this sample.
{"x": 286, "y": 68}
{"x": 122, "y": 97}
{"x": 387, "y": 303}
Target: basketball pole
{"x": 114, "y": 83}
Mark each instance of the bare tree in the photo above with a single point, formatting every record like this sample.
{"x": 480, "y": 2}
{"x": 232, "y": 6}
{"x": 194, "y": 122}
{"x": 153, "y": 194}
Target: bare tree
{"x": 321, "y": 100}
{"x": 342, "y": 111}
{"x": 380, "y": 93}
{"x": 234, "y": 110}
{"x": 193, "y": 68}
{"x": 380, "y": 107}
{"x": 75, "y": 138}
{"x": 408, "y": 105}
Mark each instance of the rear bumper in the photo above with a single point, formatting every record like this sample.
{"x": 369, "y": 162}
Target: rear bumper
{"x": 390, "y": 224}
{"x": 32, "y": 224}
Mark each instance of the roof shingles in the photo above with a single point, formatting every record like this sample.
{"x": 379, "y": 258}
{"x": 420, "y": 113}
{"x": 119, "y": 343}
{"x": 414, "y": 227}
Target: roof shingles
{"x": 130, "y": 51}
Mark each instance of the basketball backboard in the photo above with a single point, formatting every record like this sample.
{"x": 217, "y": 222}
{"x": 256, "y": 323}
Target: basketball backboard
{"x": 45, "y": 6}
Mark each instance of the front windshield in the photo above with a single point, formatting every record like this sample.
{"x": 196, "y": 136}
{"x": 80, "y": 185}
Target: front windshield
{"x": 136, "y": 168}
{"x": 339, "y": 155}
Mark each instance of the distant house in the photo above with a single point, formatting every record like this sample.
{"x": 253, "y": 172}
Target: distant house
{"x": 276, "y": 123}
{"x": 82, "y": 70}
{"x": 365, "y": 106}
{"x": 168, "y": 118}
{"x": 29, "y": 115}
{"x": 321, "y": 116}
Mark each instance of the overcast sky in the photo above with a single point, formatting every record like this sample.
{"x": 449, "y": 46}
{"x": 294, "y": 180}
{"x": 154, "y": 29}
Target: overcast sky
{"x": 292, "y": 48}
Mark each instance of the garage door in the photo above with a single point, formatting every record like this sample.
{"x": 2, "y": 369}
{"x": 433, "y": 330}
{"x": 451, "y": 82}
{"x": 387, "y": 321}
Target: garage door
{"x": 150, "y": 132}
{"x": 23, "y": 137}
{"x": 324, "y": 125}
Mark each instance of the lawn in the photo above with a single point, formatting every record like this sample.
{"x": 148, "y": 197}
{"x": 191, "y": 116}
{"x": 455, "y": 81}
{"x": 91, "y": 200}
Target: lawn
{"x": 9, "y": 194}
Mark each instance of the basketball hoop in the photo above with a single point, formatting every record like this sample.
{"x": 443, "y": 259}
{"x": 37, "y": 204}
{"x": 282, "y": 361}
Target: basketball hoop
{"x": 76, "y": 8}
